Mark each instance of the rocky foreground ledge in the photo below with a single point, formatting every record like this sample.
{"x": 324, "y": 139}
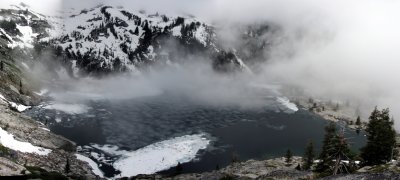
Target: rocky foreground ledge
{"x": 278, "y": 169}
{"x": 20, "y": 132}
{"x": 251, "y": 169}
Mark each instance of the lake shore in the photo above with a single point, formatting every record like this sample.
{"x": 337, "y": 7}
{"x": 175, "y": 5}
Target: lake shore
{"x": 331, "y": 111}
{"x": 42, "y": 150}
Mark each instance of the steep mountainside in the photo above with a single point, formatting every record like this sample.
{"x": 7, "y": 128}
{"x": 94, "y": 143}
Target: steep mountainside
{"x": 21, "y": 30}
{"x": 107, "y": 39}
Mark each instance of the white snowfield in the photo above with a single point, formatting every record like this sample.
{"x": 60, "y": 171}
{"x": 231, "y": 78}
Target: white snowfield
{"x": 92, "y": 164}
{"x": 8, "y": 141}
{"x": 18, "y": 107}
{"x": 158, "y": 156}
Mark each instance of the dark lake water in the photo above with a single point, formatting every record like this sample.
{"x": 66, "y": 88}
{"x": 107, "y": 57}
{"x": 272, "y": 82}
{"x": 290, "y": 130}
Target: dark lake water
{"x": 246, "y": 133}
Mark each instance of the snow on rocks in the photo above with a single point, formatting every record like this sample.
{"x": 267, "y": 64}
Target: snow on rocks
{"x": 8, "y": 141}
{"x": 158, "y": 156}
{"x": 92, "y": 164}
{"x": 27, "y": 36}
{"x": 18, "y": 107}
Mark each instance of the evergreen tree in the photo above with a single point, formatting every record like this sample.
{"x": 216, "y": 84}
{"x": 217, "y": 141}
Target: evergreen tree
{"x": 288, "y": 156}
{"x": 358, "y": 122}
{"x": 67, "y": 167}
{"x": 334, "y": 149}
{"x": 381, "y": 138}
{"x": 20, "y": 87}
{"x": 179, "y": 168}
{"x": 330, "y": 133}
{"x": 309, "y": 156}
{"x": 298, "y": 167}
{"x": 342, "y": 152}
{"x": 1, "y": 65}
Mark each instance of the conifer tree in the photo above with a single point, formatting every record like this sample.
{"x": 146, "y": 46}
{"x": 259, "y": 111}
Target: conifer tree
{"x": 179, "y": 168}
{"x": 334, "y": 149}
{"x": 358, "y": 121}
{"x": 381, "y": 138}
{"x": 288, "y": 156}
{"x": 298, "y": 167}
{"x": 67, "y": 167}
{"x": 20, "y": 87}
{"x": 330, "y": 133}
{"x": 309, "y": 156}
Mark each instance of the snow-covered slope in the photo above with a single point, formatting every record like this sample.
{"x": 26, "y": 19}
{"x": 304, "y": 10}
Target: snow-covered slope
{"x": 21, "y": 27}
{"x": 112, "y": 39}
{"x": 108, "y": 39}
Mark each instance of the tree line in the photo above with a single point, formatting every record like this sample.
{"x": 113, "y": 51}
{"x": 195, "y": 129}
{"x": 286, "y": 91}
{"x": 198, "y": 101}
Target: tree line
{"x": 336, "y": 157}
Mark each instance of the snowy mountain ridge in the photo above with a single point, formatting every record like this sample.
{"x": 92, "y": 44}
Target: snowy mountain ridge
{"x": 107, "y": 39}
{"x": 113, "y": 39}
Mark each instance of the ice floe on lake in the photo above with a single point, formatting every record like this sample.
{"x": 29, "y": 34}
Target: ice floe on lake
{"x": 286, "y": 102}
{"x": 156, "y": 157}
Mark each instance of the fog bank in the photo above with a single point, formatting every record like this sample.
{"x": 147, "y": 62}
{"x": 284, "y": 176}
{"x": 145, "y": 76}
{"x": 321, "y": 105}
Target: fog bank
{"x": 344, "y": 50}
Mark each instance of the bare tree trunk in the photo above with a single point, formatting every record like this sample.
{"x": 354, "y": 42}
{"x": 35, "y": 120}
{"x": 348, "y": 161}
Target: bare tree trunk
{"x": 337, "y": 164}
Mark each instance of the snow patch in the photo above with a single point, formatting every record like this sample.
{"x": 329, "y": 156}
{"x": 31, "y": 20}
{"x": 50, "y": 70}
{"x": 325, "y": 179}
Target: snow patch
{"x": 25, "y": 65}
{"x": 8, "y": 141}
{"x": 18, "y": 107}
{"x": 45, "y": 129}
{"x": 92, "y": 164}
{"x": 158, "y": 156}
{"x": 27, "y": 36}
{"x": 285, "y": 102}
{"x": 69, "y": 108}
{"x": 58, "y": 119}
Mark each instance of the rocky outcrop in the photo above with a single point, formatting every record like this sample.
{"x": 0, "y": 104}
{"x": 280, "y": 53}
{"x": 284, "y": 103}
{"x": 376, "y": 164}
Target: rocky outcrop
{"x": 27, "y": 130}
{"x": 252, "y": 169}
{"x": 10, "y": 168}
{"x": 365, "y": 176}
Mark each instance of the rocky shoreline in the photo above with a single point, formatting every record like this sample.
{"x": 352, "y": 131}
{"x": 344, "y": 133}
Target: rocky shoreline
{"x": 331, "y": 111}
{"x": 24, "y": 129}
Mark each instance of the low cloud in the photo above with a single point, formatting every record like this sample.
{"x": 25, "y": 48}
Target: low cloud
{"x": 343, "y": 49}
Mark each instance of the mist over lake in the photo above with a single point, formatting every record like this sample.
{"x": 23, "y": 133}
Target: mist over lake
{"x": 248, "y": 133}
